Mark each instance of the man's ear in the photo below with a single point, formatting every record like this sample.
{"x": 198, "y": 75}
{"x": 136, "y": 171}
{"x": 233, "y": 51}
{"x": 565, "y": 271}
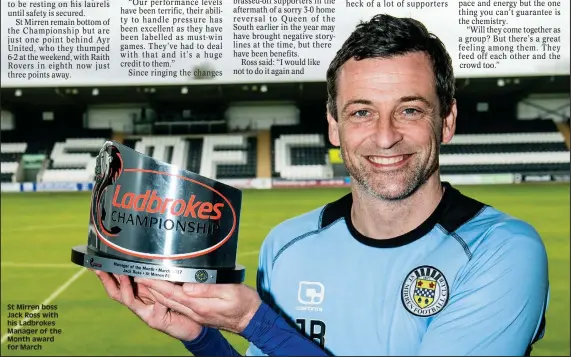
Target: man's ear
{"x": 449, "y": 124}
{"x": 333, "y": 129}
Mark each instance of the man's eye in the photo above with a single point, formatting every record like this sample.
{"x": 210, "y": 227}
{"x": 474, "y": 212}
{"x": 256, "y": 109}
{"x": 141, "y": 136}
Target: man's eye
{"x": 360, "y": 113}
{"x": 411, "y": 111}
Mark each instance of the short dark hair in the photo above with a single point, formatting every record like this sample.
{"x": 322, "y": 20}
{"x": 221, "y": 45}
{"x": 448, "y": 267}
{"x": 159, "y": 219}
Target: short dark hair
{"x": 386, "y": 36}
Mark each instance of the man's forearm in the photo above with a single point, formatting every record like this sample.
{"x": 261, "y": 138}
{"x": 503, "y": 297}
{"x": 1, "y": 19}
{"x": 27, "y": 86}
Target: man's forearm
{"x": 210, "y": 342}
{"x": 267, "y": 330}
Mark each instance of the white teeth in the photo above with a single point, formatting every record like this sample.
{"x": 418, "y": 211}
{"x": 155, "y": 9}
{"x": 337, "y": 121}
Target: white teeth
{"x": 386, "y": 160}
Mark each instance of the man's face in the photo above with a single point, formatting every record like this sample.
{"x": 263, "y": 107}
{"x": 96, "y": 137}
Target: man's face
{"x": 389, "y": 128}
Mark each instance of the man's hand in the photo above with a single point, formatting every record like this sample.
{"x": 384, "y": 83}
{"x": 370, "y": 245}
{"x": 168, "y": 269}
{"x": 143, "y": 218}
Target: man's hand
{"x": 143, "y": 303}
{"x": 227, "y": 307}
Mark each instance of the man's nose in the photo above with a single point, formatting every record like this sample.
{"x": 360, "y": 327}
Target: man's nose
{"x": 386, "y": 134}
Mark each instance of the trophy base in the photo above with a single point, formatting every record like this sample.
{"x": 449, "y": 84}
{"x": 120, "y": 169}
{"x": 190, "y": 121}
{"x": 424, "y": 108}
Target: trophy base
{"x": 86, "y": 257}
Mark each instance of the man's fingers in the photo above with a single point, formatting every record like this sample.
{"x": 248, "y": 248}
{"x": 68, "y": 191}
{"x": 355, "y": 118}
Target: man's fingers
{"x": 126, "y": 290}
{"x": 171, "y": 304}
{"x": 110, "y": 285}
{"x": 143, "y": 293}
{"x": 159, "y": 316}
{"x": 158, "y": 308}
{"x": 167, "y": 289}
{"x": 127, "y": 295}
{"x": 218, "y": 291}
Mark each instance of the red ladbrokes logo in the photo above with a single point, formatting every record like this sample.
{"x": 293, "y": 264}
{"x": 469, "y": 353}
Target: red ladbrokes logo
{"x": 150, "y": 202}
{"x": 212, "y": 223}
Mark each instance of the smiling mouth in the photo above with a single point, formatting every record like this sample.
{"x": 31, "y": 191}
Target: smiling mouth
{"x": 388, "y": 160}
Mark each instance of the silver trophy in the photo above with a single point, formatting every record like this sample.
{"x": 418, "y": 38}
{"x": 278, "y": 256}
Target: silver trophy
{"x": 150, "y": 219}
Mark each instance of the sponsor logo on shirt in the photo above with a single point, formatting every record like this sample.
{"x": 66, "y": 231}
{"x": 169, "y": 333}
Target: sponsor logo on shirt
{"x": 310, "y": 295}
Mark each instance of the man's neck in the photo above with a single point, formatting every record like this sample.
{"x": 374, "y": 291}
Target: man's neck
{"x": 380, "y": 219}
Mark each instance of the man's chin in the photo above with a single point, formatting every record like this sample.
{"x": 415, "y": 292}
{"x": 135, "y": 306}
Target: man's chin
{"x": 395, "y": 190}
{"x": 392, "y": 195}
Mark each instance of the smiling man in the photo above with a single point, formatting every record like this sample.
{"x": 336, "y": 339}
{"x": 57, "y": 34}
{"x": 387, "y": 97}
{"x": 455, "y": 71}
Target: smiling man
{"x": 404, "y": 264}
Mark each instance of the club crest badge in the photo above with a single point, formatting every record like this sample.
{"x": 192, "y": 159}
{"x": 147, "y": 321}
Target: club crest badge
{"x": 425, "y": 291}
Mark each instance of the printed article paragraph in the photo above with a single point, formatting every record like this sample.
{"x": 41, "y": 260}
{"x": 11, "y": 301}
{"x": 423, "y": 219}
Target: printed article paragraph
{"x": 172, "y": 41}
